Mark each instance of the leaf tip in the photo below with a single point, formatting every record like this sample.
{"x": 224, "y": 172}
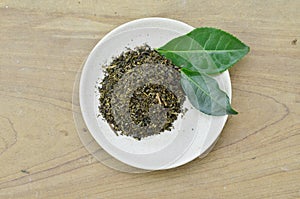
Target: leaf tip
{"x": 231, "y": 111}
{"x": 248, "y": 48}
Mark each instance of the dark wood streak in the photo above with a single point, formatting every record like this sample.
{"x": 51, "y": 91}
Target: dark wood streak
{"x": 266, "y": 175}
{"x": 20, "y": 181}
{"x": 64, "y": 155}
{"x": 13, "y": 66}
{"x": 290, "y": 135}
{"x": 52, "y": 168}
{"x": 39, "y": 101}
{"x": 240, "y": 161}
{"x": 264, "y": 127}
{"x": 7, "y": 146}
{"x": 38, "y": 164}
{"x": 44, "y": 96}
{"x": 265, "y": 86}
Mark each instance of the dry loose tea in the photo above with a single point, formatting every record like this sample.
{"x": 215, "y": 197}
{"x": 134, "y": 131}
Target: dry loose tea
{"x": 140, "y": 94}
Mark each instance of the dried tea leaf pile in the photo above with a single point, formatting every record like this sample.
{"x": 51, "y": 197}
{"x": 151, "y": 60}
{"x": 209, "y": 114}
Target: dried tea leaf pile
{"x": 141, "y": 94}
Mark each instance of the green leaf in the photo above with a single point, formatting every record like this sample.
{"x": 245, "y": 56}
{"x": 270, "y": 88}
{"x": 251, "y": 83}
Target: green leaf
{"x": 204, "y": 93}
{"x": 207, "y": 50}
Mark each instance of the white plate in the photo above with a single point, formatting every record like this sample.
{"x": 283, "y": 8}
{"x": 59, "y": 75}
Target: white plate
{"x": 193, "y": 133}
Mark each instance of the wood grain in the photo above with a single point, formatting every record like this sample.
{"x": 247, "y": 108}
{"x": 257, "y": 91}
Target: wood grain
{"x": 44, "y": 43}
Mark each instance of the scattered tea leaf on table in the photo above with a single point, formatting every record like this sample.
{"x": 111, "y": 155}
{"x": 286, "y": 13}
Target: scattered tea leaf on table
{"x": 207, "y": 50}
{"x": 204, "y": 93}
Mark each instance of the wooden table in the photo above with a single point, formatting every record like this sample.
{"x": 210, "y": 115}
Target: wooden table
{"x": 44, "y": 43}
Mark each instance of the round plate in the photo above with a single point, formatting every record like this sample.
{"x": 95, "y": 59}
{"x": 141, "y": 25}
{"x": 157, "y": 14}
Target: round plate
{"x": 194, "y": 132}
